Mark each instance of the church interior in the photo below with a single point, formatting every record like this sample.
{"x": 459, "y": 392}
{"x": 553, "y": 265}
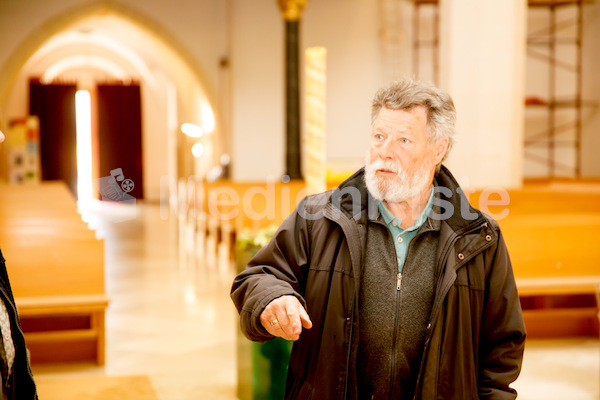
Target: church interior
{"x": 151, "y": 147}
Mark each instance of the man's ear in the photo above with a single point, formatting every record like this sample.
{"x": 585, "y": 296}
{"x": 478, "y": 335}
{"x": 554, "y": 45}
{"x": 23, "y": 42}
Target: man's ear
{"x": 441, "y": 147}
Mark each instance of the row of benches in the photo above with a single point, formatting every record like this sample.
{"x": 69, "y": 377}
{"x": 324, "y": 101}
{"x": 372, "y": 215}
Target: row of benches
{"x": 550, "y": 230}
{"x": 56, "y": 265}
{"x": 56, "y": 268}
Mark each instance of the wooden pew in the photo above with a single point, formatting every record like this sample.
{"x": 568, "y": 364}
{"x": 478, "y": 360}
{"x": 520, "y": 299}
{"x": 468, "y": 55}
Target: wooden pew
{"x": 551, "y": 232}
{"x": 251, "y": 205}
{"x": 56, "y": 268}
{"x": 224, "y": 208}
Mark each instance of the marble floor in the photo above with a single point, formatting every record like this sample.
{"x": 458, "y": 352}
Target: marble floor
{"x": 171, "y": 319}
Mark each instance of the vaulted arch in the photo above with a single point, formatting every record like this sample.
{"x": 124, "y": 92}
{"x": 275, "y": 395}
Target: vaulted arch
{"x": 103, "y": 42}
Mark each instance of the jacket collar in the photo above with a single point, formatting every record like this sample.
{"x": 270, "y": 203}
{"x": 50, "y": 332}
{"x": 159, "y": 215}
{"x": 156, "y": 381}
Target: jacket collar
{"x": 464, "y": 215}
{"x": 353, "y": 198}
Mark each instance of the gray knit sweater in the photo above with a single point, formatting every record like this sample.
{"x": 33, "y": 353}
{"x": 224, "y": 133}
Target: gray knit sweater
{"x": 393, "y": 321}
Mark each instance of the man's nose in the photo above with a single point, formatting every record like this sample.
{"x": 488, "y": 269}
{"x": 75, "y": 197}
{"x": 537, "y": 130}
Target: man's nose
{"x": 386, "y": 150}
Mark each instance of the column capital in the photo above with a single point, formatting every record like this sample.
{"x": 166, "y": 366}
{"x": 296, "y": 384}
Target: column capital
{"x": 291, "y": 9}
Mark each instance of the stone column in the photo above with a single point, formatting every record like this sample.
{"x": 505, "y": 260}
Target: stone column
{"x": 292, "y": 13}
{"x": 315, "y": 152}
{"x": 482, "y": 47}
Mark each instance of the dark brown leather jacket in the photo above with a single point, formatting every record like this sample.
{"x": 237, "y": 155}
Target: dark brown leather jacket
{"x": 475, "y": 338}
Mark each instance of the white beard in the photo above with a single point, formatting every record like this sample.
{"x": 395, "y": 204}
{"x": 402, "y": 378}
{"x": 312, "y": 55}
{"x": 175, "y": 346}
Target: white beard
{"x": 399, "y": 188}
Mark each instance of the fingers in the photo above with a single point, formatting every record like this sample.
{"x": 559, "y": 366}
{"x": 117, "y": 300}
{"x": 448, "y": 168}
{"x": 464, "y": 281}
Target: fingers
{"x": 286, "y": 313}
{"x": 269, "y": 319}
{"x": 285, "y": 317}
{"x": 306, "y": 322}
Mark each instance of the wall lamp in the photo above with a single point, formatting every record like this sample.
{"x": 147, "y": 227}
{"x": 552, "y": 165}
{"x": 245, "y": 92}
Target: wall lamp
{"x": 192, "y": 130}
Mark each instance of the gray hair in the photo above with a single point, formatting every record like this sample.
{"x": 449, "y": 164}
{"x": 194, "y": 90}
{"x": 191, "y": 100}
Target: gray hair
{"x": 407, "y": 94}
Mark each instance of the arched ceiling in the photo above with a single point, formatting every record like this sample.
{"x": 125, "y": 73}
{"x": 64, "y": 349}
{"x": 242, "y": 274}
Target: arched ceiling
{"x": 102, "y": 46}
{"x": 108, "y": 43}
{"x": 109, "y": 46}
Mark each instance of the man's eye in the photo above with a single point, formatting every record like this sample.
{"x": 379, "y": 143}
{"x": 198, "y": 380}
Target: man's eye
{"x": 378, "y": 136}
{"x": 404, "y": 140}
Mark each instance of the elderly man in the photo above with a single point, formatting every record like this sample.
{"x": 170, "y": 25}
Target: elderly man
{"x": 392, "y": 286}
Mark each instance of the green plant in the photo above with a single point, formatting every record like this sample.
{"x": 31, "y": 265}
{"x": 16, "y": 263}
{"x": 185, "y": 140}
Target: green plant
{"x": 252, "y": 241}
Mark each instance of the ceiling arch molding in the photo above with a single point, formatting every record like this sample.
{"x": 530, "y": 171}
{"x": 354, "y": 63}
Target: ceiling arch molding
{"x": 55, "y": 24}
{"x": 113, "y": 69}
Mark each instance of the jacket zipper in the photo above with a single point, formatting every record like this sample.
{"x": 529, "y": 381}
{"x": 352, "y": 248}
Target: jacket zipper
{"x": 395, "y": 336}
{"x": 349, "y": 349}
{"x": 453, "y": 239}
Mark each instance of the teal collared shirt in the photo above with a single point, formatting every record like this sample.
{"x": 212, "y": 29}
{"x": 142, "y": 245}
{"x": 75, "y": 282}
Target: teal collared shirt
{"x": 402, "y": 237}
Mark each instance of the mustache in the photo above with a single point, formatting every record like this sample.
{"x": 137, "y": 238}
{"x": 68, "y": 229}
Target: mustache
{"x": 386, "y": 165}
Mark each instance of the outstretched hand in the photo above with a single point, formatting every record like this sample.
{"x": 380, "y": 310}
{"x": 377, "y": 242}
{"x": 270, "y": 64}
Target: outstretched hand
{"x": 285, "y": 317}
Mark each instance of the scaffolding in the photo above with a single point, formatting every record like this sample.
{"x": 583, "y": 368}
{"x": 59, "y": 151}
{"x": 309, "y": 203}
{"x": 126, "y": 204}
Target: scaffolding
{"x": 390, "y": 36}
{"x": 553, "y": 137}
{"x": 420, "y": 42}
{"x": 548, "y": 45}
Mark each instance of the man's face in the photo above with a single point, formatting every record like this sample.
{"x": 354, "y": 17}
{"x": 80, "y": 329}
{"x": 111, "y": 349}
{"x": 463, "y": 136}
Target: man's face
{"x": 401, "y": 161}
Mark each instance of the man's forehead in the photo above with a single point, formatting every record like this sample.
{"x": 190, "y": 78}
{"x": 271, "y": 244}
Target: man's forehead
{"x": 396, "y": 129}
{"x": 402, "y": 119}
{"x": 416, "y": 110}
